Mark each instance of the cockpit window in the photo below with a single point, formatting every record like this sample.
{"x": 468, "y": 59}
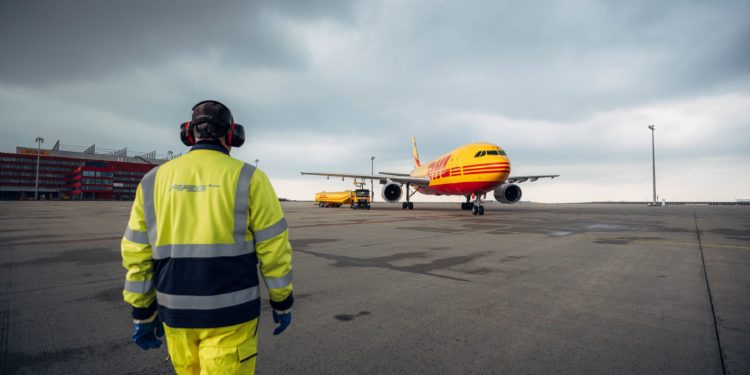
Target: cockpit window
{"x": 479, "y": 154}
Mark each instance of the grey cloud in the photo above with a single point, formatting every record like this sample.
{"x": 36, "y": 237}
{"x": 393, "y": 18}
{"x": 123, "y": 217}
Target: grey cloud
{"x": 500, "y": 56}
{"x": 548, "y": 62}
{"x": 305, "y": 11}
{"x": 53, "y": 41}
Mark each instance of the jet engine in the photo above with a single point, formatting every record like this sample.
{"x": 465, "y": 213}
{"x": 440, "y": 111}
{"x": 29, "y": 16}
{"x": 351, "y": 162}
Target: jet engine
{"x": 392, "y": 192}
{"x": 508, "y": 193}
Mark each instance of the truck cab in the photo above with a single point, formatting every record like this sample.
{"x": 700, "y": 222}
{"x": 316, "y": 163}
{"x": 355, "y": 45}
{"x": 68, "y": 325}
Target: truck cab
{"x": 361, "y": 198}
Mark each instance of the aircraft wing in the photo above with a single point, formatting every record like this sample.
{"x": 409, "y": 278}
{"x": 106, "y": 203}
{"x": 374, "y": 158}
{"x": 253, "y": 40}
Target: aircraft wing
{"x": 519, "y": 179}
{"x": 416, "y": 181}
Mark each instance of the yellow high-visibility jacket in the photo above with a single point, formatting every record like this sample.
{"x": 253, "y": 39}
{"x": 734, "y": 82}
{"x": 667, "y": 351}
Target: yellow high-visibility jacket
{"x": 198, "y": 227}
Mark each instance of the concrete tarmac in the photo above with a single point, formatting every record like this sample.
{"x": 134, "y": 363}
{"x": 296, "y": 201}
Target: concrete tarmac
{"x": 525, "y": 289}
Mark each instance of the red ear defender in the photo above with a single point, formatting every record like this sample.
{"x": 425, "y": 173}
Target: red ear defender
{"x": 191, "y": 136}
{"x": 230, "y": 132}
{"x": 235, "y": 135}
{"x": 186, "y": 134}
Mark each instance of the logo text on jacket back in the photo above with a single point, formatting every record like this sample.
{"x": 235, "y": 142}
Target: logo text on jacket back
{"x": 193, "y": 188}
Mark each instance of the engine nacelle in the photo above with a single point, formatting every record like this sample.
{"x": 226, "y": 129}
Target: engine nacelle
{"x": 392, "y": 192}
{"x": 508, "y": 193}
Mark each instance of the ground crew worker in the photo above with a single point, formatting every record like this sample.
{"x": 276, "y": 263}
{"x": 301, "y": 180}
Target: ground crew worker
{"x": 197, "y": 230}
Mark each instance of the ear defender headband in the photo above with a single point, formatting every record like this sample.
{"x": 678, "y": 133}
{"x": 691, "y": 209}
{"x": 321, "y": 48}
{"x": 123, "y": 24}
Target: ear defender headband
{"x": 235, "y": 133}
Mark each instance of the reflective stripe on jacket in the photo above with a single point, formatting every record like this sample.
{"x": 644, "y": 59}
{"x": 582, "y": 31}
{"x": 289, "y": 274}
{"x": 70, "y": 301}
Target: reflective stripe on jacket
{"x": 198, "y": 227}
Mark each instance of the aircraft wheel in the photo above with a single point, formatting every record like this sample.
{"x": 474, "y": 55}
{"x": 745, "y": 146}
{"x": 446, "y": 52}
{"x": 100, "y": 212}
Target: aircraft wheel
{"x": 403, "y": 205}
{"x": 481, "y": 210}
{"x": 411, "y": 205}
{"x": 474, "y": 210}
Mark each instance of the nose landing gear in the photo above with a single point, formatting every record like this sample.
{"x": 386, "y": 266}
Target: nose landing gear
{"x": 476, "y": 206}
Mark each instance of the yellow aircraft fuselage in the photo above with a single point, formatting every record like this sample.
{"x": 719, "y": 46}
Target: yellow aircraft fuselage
{"x": 475, "y": 168}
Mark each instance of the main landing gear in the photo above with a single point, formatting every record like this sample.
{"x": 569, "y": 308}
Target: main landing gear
{"x": 467, "y": 205}
{"x": 408, "y": 205}
{"x": 476, "y": 206}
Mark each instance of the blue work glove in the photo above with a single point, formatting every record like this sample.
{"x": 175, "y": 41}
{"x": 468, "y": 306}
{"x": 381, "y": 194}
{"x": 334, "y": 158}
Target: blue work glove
{"x": 145, "y": 334}
{"x": 283, "y": 319}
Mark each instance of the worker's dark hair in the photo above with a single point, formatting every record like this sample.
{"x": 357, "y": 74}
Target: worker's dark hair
{"x": 211, "y": 120}
{"x": 208, "y": 131}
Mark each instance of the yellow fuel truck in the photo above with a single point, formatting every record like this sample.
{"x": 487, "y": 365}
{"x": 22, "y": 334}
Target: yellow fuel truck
{"x": 359, "y": 198}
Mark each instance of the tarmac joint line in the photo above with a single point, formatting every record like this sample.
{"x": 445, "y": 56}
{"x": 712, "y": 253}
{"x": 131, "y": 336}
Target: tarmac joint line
{"x": 710, "y": 296}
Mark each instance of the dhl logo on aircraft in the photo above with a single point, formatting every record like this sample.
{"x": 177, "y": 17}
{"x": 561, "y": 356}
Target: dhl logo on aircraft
{"x": 471, "y": 171}
{"x": 437, "y": 169}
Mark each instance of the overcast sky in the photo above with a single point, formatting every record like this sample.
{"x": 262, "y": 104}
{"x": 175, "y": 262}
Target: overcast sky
{"x": 566, "y": 87}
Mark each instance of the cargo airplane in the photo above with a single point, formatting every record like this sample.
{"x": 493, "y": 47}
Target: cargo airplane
{"x": 471, "y": 171}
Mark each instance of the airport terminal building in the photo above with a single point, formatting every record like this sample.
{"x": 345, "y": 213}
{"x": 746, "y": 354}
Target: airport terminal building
{"x": 72, "y": 174}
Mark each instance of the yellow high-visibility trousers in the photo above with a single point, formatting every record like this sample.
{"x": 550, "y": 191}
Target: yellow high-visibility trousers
{"x": 208, "y": 351}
